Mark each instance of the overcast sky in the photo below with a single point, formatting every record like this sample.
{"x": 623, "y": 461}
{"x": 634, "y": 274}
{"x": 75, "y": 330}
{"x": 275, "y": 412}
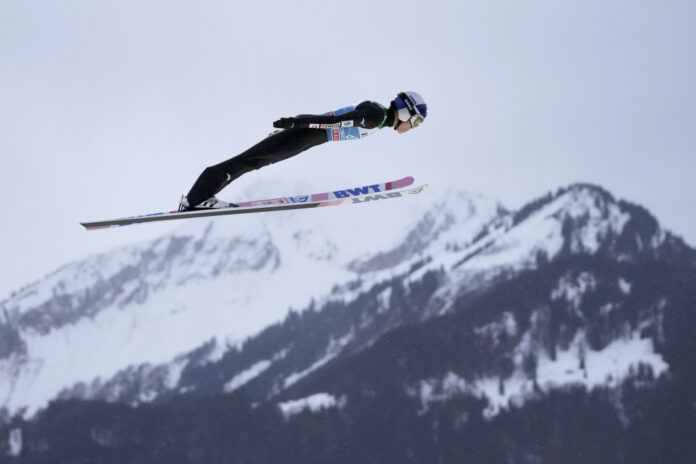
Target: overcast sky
{"x": 113, "y": 108}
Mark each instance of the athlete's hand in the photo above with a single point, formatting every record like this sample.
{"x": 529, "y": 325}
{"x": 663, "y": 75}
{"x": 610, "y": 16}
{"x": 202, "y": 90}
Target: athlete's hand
{"x": 284, "y": 123}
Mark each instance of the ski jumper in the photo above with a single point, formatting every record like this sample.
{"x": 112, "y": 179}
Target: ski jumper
{"x": 303, "y": 133}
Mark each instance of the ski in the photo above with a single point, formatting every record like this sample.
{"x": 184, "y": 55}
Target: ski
{"x": 334, "y": 198}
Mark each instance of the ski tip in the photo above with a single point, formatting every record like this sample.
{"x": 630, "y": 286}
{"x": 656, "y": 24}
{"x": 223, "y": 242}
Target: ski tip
{"x": 401, "y": 183}
{"x": 416, "y": 190}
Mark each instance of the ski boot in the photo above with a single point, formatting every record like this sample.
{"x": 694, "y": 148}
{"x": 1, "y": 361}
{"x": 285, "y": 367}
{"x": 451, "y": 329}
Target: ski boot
{"x": 210, "y": 203}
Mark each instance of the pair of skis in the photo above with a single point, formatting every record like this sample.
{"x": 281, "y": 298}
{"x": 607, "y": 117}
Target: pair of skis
{"x": 364, "y": 194}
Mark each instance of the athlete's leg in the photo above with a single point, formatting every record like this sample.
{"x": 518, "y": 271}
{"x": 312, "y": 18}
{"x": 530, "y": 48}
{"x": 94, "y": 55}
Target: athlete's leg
{"x": 276, "y": 147}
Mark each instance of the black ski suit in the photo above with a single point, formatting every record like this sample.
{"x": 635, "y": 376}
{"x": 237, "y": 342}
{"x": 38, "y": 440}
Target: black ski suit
{"x": 298, "y": 134}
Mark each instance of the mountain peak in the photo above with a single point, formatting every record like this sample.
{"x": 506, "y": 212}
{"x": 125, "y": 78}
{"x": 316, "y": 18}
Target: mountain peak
{"x": 578, "y": 192}
{"x": 593, "y": 221}
{"x": 587, "y": 188}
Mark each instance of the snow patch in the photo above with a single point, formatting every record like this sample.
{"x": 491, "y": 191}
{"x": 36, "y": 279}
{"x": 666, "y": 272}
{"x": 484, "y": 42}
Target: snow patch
{"x": 597, "y": 217}
{"x": 333, "y": 349}
{"x": 297, "y": 376}
{"x": 252, "y": 372}
{"x": 244, "y": 377}
{"x": 15, "y": 442}
{"x": 313, "y": 403}
{"x": 221, "y": 345}
{"x": 572, "y": 289}
{"x": 383, "y": 300}
{"x": 311, "y": 244}
{"x": 658, "y": 239}
{"x": 578, "y": 365}
{"x": 494, "y": 330}
{"x": 174, "y": 371}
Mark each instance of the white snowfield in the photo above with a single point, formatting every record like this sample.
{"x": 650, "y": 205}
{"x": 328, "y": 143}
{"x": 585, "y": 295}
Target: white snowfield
{"x": 226, "y": 279}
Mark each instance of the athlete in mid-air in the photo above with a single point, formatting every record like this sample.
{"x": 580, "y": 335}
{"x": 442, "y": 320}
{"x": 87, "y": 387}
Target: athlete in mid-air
{"x": 406, "y": 111}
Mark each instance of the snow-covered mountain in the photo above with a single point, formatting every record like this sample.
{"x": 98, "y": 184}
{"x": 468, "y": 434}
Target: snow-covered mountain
{"x": 134, "y": 323}
{"x": 476, "y": 329}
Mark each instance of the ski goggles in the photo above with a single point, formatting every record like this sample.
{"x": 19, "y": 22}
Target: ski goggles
{"x": 416, "y": 120}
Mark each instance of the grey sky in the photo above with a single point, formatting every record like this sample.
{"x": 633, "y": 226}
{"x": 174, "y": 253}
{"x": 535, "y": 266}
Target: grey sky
{"x": 113, "y": 108}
